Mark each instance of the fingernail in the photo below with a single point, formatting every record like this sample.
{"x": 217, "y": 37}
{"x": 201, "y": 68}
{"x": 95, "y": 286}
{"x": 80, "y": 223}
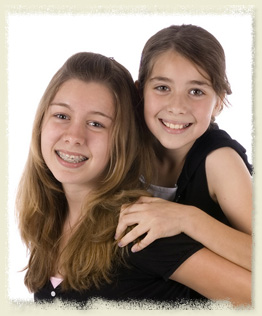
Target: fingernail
{"x": 120, "y": 244}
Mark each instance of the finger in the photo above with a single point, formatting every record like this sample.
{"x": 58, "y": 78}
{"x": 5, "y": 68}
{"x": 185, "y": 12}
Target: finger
{"x": 143, "y": 243}
{"x": 136, "y": 232}
{"x": 145, "y": 199}
{"x": 121, "y": 227}
{"x": 124, "y": 207}
{"x": 135, "y": 212}
{"x": 128, "y": 208}
{"x": 124, "y": 221}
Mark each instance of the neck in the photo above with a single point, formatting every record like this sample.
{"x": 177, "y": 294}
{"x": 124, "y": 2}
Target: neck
{"x": 75, "y": 197}
{"x": 169, "y": 165}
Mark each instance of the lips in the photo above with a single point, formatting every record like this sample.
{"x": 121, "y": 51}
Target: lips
{"x": 175, "y": 126}
{"x": 74, "y": 159}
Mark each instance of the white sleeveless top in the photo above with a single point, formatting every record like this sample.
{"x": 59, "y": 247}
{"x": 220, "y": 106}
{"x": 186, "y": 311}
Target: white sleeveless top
{"x": 161, "y": 192}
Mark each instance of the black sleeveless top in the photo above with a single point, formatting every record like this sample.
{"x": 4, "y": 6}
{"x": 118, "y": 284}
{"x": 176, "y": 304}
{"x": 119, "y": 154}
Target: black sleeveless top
{"x": 192, "y": 182}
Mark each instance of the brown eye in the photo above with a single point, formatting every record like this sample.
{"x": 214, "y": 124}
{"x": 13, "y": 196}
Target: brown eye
{"x": 61, "y": 116}
{"x": 196, "y": 92}
{"x": 95, "y": 124}
{"x": 162, "y": 88}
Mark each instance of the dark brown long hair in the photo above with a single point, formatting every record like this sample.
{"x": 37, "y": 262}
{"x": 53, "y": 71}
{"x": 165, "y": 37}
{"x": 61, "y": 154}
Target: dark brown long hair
{"x": 193, "y": 43}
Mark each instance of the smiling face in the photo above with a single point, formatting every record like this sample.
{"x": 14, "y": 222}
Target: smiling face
{"x": 76, "y": 133}
{"x": 179, "y": 101}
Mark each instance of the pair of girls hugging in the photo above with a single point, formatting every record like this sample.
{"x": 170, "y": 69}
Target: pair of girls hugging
{"x": 131, "y": 191}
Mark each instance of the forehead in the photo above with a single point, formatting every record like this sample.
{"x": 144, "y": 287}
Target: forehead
{"x": 171, "y": 60}
{"x": 85, "y": 95}
{"x": 79, "y": 84}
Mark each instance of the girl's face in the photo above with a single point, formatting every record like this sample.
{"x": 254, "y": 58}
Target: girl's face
{"x": 179, "y": 101}
{"x": 76, "y": 133}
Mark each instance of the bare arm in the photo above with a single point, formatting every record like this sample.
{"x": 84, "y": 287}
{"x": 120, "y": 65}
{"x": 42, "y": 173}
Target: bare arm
{"x": 229, "y": 184}
{"x": 215, "y": 278}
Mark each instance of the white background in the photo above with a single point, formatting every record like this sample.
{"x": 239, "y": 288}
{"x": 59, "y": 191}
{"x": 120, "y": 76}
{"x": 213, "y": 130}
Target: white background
{"x": 39, "y": 44}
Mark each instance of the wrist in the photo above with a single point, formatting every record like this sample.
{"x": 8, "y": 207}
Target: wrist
{"x": 188, "y": 219}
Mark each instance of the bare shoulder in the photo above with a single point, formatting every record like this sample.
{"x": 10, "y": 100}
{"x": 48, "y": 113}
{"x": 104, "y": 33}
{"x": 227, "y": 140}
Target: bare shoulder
{"x": 223, "y": 163}
{"x": 223, "y": 156}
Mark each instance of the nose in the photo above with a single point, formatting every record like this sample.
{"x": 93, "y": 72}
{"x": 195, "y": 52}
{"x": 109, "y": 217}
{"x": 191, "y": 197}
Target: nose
{"x": 177, "y": 104}
{"x": 75, "y": 134}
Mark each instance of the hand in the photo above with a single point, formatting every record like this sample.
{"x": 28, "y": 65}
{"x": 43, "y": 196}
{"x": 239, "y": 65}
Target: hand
{"x": 156, "y": 217}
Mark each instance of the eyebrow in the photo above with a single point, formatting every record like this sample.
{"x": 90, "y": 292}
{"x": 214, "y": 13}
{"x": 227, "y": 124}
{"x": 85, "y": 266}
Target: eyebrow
{"x": 166, "y": 79}
{"x": 160, "y": 78}
{"x": 70, "y": 108}
{"x": 200, "y": 82}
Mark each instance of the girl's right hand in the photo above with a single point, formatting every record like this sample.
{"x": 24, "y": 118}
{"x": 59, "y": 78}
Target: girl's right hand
{"x": 155, "y": 217}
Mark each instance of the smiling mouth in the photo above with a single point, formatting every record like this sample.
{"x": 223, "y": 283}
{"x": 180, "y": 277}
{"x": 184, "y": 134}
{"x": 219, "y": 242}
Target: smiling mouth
{"x": 175, "y": 126}
{"x": 71, "y": 158}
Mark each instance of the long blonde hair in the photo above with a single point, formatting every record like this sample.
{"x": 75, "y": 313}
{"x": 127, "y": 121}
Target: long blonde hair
{"x": 41, "y": 205}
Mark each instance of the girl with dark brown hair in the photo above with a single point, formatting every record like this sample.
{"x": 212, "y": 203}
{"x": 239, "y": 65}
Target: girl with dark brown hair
{"x": 184, "y": 86}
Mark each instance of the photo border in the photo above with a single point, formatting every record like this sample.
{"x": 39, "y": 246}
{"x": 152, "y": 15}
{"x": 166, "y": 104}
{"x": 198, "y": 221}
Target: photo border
{"x": 129, "y": 7}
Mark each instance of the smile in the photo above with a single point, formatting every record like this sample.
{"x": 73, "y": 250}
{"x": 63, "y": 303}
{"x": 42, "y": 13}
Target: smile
{"x": 175, "y": 126}
{"x": 71, "y": 158}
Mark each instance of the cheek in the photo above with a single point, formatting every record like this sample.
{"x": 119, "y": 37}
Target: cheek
{"x": 44, "y": 145}
{"x": 147, "y": 116}
{"x": 152, "y": 104}
{"x": 205, "y": 110}
{"x": 147, "y": 101}
{"x": 48, "y": 139}
{"x": 43, "y": 140}
{"x": 148, "y": 109}
{"x": 101, "y": 146}
{"x": 108, "y": 147}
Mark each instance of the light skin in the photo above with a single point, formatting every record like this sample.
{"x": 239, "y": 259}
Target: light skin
{"x": 179, "y": 103}
{"x": 76, "y": 139}
{"x": 79, "y": 124}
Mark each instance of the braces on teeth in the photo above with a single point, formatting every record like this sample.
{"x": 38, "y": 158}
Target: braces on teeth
{"x": 71, "y": 158}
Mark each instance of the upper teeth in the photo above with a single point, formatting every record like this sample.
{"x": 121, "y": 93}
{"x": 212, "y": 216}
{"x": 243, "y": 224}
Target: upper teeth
{"x": 71, "y": 158}
{"x": 175, "y": 126}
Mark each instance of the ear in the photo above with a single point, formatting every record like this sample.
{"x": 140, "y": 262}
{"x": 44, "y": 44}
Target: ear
{"x": 138, "y": 86}
{"x": 218, "y": 107}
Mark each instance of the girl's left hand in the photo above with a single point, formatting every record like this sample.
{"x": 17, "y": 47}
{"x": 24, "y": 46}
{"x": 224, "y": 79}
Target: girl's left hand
{"x": 156, "y": 217}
